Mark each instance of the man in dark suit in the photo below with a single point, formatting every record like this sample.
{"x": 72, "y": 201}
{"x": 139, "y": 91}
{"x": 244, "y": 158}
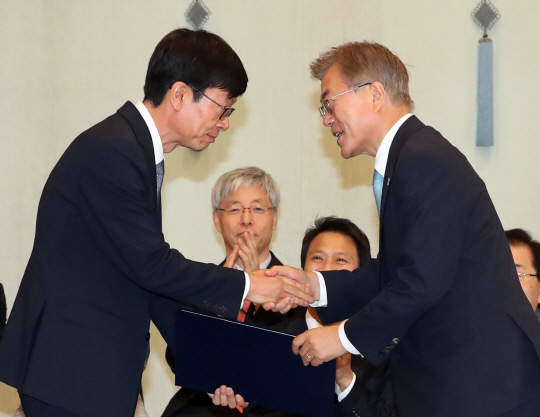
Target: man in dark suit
{"x": 76, "y": 340}
{"x": 245, "y": 205}
{"x": 363, "y": 389}
{"x": 441, "y": 302}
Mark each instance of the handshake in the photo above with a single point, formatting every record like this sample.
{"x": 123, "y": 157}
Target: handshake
{"x": 282, "y": 287}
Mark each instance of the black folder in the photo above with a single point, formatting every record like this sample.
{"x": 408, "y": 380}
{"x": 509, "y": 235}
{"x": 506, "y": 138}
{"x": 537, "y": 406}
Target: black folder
{"x": 257, "y": 363}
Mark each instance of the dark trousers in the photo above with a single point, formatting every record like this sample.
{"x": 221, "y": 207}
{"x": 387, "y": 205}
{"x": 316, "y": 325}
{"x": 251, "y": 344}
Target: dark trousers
{"x": 33, "y": 407}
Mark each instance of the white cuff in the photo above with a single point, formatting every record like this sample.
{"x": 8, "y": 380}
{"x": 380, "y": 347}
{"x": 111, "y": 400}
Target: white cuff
{"x": 323, "y": 297}
{"x": 345, "y": 341}
{"x": 246, "y": 290}
{"x": 343, "y": 394}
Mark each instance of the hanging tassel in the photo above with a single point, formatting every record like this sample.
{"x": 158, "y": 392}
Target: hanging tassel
{"x": 484, "y": 128}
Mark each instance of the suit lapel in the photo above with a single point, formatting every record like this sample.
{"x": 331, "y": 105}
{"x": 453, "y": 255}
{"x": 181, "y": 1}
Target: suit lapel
{"x": 411, "y": 125}
{"x": 132, "y": 115}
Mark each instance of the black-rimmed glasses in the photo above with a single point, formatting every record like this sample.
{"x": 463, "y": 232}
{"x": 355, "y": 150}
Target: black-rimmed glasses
{"x": 325, "y": 108}
{"x": 227, "y": 111}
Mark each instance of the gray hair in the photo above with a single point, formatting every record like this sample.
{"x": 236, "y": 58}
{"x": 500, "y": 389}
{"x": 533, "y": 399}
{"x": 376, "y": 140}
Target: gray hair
{"x": 229, "y": 183}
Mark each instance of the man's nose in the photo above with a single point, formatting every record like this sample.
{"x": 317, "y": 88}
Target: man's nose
{"x": 223, "y": 124}
{"x": 247, "y": 218}
{"x": 327, "y": 266}
{"x": 328, "y": 119}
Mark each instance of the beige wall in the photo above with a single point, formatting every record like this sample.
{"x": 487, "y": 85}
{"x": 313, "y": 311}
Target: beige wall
{"x": 66, "y": 64}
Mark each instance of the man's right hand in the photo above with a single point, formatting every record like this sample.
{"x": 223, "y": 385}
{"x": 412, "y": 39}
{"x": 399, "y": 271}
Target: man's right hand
{"x": 282, "y": 292}
{"x": 287, "y": 272}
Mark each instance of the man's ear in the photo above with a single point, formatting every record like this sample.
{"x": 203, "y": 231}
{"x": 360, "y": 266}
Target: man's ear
{"x": 215, "y": 217}
{"x": 274, "y": 220}
{"x": 379, "y": 95}
{"x": 179, "y": 94}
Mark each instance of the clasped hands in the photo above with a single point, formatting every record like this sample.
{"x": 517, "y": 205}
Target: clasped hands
{"x": 282, "y": 287}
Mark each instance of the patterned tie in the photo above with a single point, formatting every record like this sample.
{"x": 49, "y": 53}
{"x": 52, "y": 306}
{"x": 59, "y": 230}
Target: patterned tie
{"x": 160, "y": 171}
{"x": 377, "y": 189}
{"x": 243, "y": 311}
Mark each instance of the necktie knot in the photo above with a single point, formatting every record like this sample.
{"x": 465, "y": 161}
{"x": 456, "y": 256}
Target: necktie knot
{"x": 378, "y": 181}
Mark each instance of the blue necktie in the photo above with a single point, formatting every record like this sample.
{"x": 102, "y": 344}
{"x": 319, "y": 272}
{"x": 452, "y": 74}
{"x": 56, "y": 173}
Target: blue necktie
{"x": 377, "y": 189}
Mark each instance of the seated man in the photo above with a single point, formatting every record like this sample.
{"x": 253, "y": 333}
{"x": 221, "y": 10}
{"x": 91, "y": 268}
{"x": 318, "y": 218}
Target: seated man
{"x": 363, "y": 389}
{"x": 332, "y": 244}
{"x": 245, "y": 203}
{"x": 526, "y": 254}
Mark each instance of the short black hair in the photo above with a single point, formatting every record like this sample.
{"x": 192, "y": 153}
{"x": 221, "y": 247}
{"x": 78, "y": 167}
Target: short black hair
{"x": 198, "y": 58}
{"x": 517, "y": 237}
{"x": 337, "y": 225}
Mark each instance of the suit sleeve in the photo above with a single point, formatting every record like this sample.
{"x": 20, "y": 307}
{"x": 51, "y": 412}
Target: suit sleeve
{"x": 426, "y": 213}
{"x": 350, "y": 291}
{"x": 115, "y": 201}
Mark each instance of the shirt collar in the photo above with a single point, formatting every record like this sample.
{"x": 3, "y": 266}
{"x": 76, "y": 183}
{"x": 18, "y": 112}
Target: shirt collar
{"x": 156, "y": 139}
{"x": 264, "y": 265}
{"x": 381, "y": 157}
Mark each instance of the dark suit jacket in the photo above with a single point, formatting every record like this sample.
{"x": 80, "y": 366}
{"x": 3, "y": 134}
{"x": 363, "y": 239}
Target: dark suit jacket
{"x": 189, "y": 402}
{"x": 78, "y": 332}
{"x": 444, "y": 304}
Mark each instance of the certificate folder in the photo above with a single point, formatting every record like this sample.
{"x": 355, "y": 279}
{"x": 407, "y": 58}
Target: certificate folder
{"x": 257, "y": 363}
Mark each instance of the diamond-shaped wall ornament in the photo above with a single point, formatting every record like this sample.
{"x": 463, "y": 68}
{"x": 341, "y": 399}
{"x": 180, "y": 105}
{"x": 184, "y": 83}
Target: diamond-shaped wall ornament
{"x": 197, "y": 14}
{"x": 485, "y": 15}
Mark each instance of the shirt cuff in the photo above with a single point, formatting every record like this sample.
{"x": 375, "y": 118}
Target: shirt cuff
{"x": 323, "y": 297}
{"x": 246, "y": 290}
{"x": 343, "y": 394}
{"x": 345, "y": 341}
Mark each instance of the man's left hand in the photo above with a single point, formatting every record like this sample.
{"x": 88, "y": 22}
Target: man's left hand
{"x": 320, "y": 345}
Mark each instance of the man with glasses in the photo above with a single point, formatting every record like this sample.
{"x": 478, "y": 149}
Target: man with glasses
{"x": 441, "y": 302}
{"x": 77, "y": 338}
{"x": 526, "y": 254}
{"x": 245, "y": 205}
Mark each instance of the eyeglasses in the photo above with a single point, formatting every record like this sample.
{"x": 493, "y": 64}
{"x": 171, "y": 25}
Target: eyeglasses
{"x": 227, "y": 111}
{"x": 325, "y": 108}
{"x": 523, "y": 275}
{"x": 256, "y": 210}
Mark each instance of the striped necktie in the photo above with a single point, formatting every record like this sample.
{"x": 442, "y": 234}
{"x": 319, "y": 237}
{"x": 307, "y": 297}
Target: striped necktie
{"x": 160, "y": 172}
{"x": 244, "y": 311}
